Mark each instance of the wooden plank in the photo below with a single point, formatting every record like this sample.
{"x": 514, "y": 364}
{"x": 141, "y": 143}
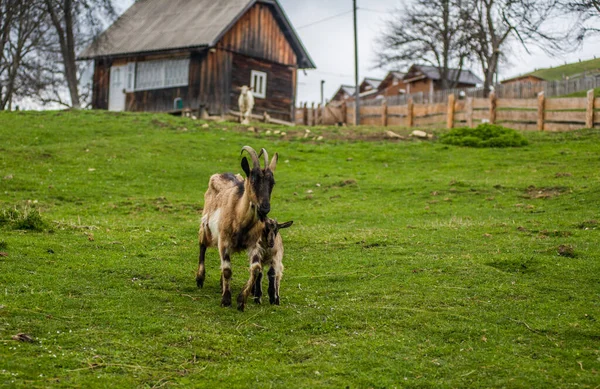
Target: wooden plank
{"x": 597, "y": 118}
{"x": 560, "y": 127}
{"x": 481, "y": 103}
{"x": 411, "y": 113}
{"x": 384, "y": 114}
{"x": 589, "y": 113}
{"x": 517, "y": 103}
{"x": 370, "y": 120}
{"x": 398, "y": 110}
{"x": 460, "y": 105}
{"x": 460, "y": 117}
{"x": 517, "y": 116}
{"x": 450, "y": 114}
{"x": 493, "y": 105}
{"x": 440, "y": 120}
{"x": 481, "y": 114}
{"x": 521, "y": 126}
{"x": 397, "y": 121}
{"x": 566, "y": 116}
{"x": 567, "y": 103}
{"x": 540, "y": 111}
{"x": 370, "y": 110}
{"x": 469, "y": 112}
{"x": 430, "y": 109}
{"x": 597, "y": 103}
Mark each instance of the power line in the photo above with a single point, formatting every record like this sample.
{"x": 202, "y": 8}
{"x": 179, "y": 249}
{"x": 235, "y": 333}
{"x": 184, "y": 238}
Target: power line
{"x": 324, "y": 20}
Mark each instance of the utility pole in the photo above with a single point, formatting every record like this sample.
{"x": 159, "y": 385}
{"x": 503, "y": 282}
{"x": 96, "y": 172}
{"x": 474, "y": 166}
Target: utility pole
{"x": 356, "y": 93}
{"x": 322, "y": 83}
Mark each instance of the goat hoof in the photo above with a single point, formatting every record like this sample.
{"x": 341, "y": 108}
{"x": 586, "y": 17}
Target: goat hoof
{"x": 226, "y": 300}
{"x": 200, "y": 279}
{"x": 257, "y": 300}
{"x": 240, "y": 303}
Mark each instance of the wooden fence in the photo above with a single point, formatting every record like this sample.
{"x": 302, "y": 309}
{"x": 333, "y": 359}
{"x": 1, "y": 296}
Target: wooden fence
{"x": 541, "y": 114}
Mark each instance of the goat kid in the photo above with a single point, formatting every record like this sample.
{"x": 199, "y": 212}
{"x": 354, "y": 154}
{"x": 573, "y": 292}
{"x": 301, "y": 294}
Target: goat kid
{"x": 268, "y": 251}
{"x": 234, "y": 215}
{"x": 246, "y": 104}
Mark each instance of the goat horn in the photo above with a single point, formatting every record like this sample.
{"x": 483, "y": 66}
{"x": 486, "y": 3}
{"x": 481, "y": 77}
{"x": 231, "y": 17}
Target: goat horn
{"x": 252, "y": 153}
{"x": 263, "y": 152}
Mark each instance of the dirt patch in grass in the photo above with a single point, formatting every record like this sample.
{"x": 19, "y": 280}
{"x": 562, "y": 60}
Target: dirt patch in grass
{"x": 533, "y": 192}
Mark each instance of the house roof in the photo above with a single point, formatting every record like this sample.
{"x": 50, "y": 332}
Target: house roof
{"x": 432, "y": 72}
{"x": 373, "y": 82}
{"x": 350, "y": 90}
{"x": 521, "y": 77}
{"x": 390, "y": 77}
{"x": 164, "y": 25}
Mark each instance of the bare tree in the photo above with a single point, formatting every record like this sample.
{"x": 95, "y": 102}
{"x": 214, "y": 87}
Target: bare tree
{"x": 427, "y": 32}
{"x": 494, "y": 25}
{"x": 75, "y": 23}
{"x": 588, "y": 13}
{"x": 21, "y": 34}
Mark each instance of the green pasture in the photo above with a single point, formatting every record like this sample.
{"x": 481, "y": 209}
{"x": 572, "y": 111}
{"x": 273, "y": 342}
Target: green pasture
{"x": 410, "y": 264}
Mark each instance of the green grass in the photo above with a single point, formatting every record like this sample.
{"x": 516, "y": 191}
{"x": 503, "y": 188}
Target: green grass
{"x": 583, "y": 93}
{"x": 568, "y": 70}
{"x": 411, "y": 264}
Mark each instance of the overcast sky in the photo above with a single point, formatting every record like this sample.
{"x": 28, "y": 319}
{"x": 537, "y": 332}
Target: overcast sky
{"x": 331, "y": 44}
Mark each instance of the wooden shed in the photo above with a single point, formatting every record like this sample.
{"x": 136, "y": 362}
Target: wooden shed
{"x": 427, "y": 79}
{"x": 166, "y": 55}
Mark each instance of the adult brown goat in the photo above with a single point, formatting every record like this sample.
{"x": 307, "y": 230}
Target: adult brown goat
{"x": 234, "y": 215}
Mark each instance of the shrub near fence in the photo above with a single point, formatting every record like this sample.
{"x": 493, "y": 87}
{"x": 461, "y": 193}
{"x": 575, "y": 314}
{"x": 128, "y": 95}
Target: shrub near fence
{"x": 541, "y": 114}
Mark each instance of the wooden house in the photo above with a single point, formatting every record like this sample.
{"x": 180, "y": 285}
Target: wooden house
{"x": 166, "y": 55}
{"x": 526, "y": 78}
{"x": 393, "y": 84}
{"x": 427, "y": 79}
{"x": 368, "y": 88}
{"x": 344, "y": 93}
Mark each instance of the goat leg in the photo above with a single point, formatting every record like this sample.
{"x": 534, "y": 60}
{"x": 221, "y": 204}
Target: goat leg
{"x": 226, "y": 274}
{"x": 201, "y": 274}
{"x": 255, "y": 270}
{"x": 257, "y": 290}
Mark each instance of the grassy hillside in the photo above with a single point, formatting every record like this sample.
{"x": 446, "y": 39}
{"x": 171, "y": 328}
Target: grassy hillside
{"x": 409, "y": 264}
{"x": 569, "y": 70}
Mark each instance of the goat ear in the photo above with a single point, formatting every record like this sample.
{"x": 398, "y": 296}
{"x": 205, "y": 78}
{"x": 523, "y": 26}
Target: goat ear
{"x": 285, "y": 225}
{"x": 246, "y": 166}
{"x": 273, "y": 163}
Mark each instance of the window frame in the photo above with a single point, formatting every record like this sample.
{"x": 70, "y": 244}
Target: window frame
{"x": 261, "y": 78}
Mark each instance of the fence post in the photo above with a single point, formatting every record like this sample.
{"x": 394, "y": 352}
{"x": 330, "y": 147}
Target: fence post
{"x": 384, "y": 113}
{"x": 589, "y": 113}
{"x": 410, "y": 121}
{"x": 313, "y": 113}
{"x": 344, "y": 113}
{"x": 540, "y": 118}
{"x": 493, "y": 102}
{"x": 469, "y": 113}
{"x": 319, "y": 114}
{"x": 450, "y": 116}
{"x": 304, "y": 115}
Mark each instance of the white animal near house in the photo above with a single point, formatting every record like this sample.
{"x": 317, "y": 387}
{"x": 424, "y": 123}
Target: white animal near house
{"x": 246, "y": 104}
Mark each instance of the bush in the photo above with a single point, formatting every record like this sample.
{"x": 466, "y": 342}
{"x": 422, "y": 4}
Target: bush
{"x": 22, "y": 218}
{"x": 484, "y": 135}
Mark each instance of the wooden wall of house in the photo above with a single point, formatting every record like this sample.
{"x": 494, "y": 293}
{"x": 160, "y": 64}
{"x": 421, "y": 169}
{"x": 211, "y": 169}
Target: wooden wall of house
{"x": 258, "y": 34}
{"x": 100, "y": 84}
{"x": 214, "y": 81}
{"x": 423, "y": 85}
{"x": 156, "y": 100}
{"x": 279, "y": 101}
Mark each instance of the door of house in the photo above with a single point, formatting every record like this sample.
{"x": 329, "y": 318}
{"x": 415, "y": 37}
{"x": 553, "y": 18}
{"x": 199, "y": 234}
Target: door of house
{"x": 116, "y": 93}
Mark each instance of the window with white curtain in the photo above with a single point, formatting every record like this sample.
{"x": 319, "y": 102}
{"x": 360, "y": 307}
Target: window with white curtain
{"x": 162, "y": 74}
